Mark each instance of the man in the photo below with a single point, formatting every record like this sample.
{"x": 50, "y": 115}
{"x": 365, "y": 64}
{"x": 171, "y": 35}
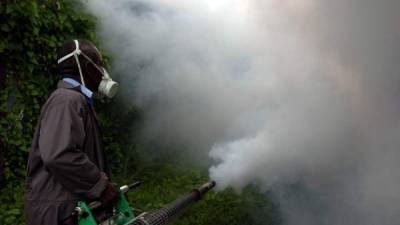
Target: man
{"x": 67, "y": 163}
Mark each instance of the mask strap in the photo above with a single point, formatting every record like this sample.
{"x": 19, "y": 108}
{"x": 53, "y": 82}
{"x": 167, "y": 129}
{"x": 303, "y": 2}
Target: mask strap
{"x": 75, "y": 53}
{"x": 100, "y": 69}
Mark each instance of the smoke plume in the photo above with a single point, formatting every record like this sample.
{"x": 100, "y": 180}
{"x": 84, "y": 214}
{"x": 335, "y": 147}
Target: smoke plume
{"x": 276, "y": 92}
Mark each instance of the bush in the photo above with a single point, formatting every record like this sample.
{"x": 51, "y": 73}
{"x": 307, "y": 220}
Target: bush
{"x": 30, "y": 33}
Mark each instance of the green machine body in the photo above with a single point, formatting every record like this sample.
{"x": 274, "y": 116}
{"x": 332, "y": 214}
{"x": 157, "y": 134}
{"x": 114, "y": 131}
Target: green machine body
{"x": 120, "y": 214}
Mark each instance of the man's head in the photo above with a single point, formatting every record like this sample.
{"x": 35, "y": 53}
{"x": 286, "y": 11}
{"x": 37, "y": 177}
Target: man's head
{"x": 69, "y": 68}
{"x": 82, "y": 61}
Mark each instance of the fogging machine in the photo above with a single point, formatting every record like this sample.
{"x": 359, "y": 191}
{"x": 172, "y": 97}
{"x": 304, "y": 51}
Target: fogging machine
{"x": 122, "y": 214}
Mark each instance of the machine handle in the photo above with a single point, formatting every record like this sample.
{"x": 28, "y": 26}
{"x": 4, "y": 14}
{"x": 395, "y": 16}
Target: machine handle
{"x": 125, "y": 188}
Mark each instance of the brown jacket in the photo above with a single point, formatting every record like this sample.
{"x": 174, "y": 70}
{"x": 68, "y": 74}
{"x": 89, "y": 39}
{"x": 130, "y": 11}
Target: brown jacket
{"x": 66, "y": 162}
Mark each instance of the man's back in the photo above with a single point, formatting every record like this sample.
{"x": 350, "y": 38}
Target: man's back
{"x": 66, "y": 162}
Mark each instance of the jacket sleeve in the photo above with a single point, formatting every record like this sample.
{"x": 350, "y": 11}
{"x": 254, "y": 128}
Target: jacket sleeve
{"x": 62, "y": 135}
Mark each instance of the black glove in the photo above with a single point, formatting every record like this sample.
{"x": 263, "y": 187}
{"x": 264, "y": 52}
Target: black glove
{"x": 109, "y": 196}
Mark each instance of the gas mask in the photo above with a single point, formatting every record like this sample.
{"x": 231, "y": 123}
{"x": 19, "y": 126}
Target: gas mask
{"x": 107, "y": 86}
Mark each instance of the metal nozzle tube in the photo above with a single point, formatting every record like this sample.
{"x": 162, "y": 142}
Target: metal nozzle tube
{"x": 163, "y": 215}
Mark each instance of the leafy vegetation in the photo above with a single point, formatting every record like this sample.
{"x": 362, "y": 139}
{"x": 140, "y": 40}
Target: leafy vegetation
{"x": 30, "y": 33}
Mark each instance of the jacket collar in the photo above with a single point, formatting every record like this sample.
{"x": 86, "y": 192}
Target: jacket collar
{"x": 70, "y": 83}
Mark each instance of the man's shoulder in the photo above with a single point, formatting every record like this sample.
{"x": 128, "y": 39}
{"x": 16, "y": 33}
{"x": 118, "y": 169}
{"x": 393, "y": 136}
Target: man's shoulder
{"x": 66, "y": 96}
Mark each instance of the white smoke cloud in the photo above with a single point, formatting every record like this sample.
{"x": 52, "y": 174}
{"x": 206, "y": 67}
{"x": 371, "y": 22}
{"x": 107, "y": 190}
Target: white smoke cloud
{"x": 275, "y": 92}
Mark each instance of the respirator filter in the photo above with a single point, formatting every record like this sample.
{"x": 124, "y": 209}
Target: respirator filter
{"x": 107, "y": 86}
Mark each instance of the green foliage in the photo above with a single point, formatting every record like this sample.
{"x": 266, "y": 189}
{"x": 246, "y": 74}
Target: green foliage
{"x": 30, "y": 33}
{"x": 11, "y": 207}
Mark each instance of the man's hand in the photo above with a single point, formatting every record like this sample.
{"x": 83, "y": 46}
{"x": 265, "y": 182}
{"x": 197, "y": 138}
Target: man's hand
{"x": 109, "y": 196}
